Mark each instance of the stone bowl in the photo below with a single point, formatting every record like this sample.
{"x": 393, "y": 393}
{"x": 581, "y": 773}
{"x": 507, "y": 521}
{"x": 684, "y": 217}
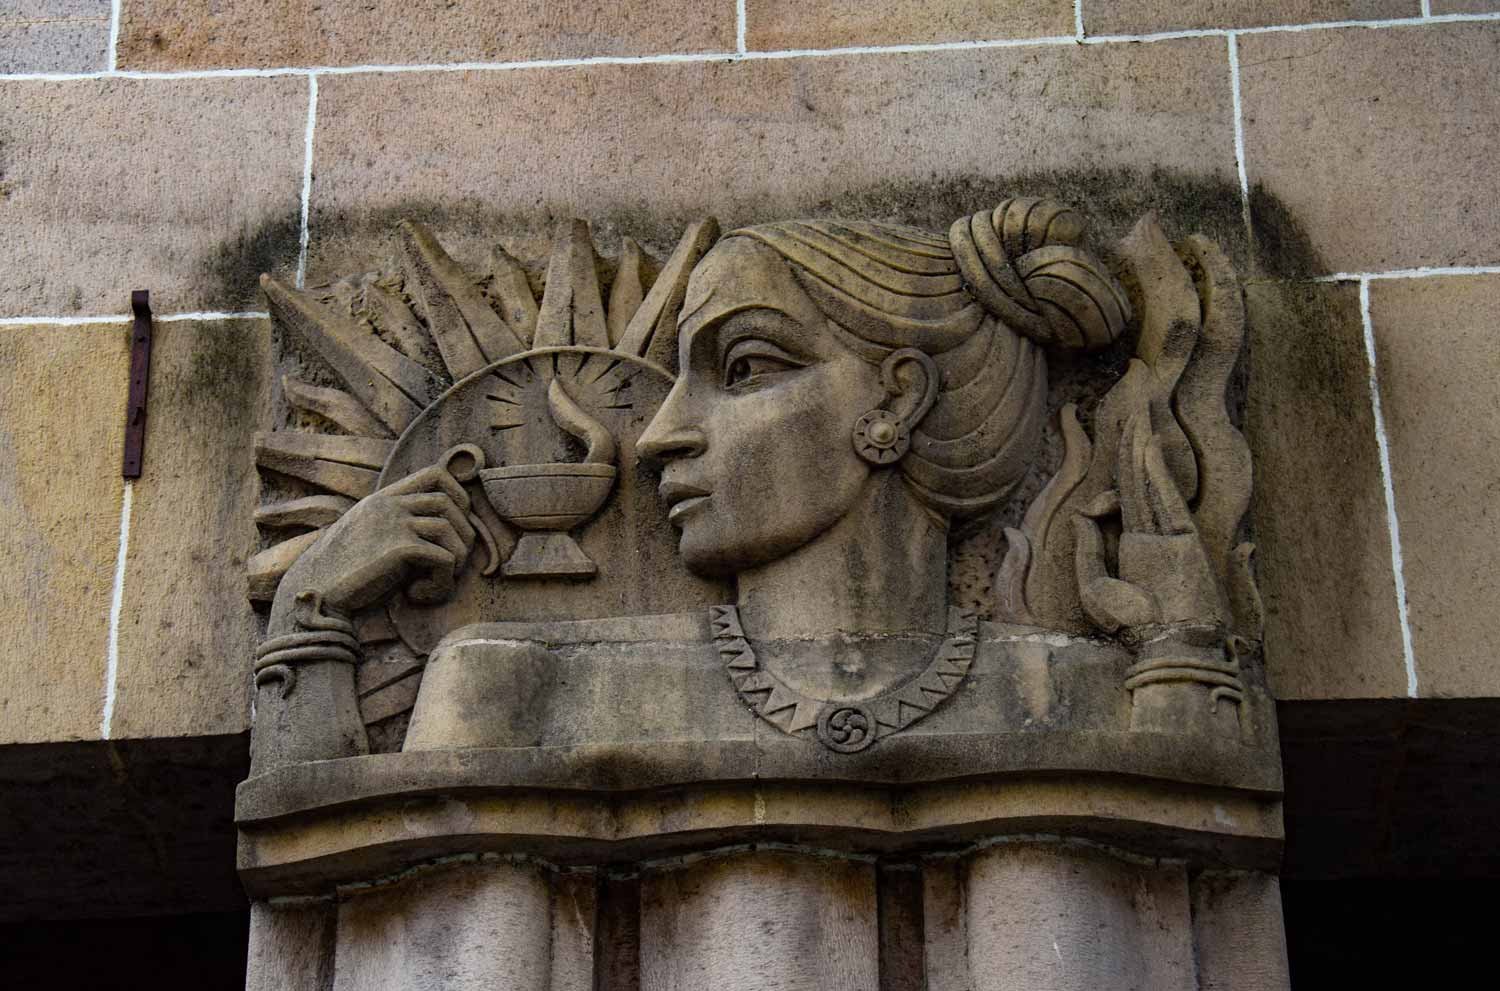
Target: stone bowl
{"x": 557, "y": 496}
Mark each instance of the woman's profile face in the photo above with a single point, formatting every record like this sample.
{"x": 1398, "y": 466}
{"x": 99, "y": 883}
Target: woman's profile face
{"x": 755, "y": 437}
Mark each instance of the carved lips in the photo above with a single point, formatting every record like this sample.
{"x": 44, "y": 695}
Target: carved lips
{"x": 681, "y": 499}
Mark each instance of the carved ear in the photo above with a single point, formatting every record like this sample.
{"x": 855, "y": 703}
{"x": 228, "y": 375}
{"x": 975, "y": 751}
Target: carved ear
{"x": 911, "y": 380}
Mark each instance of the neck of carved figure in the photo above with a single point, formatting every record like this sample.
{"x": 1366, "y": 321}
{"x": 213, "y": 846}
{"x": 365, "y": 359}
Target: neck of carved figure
{"x": 883, "y": 568}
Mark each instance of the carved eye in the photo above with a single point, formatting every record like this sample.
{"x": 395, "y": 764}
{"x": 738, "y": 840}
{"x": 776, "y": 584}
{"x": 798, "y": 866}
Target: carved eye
{"x": 750, "y": 361}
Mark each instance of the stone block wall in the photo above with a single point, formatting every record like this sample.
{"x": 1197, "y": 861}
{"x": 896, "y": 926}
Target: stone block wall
{"x": 1343, "y": 150}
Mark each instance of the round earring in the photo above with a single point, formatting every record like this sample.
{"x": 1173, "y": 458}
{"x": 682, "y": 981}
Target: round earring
{"x": 880, "y": 437}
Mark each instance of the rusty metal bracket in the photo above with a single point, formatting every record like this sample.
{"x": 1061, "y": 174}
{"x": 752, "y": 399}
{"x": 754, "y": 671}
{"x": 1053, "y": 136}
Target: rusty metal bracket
{"x": 140, "y": 380}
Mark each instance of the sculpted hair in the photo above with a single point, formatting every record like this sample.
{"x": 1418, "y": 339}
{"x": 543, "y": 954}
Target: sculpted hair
{"x": 982, "y": 302}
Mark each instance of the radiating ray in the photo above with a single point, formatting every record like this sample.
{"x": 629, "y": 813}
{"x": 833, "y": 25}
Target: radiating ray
{"x": 362, "y": 452}
{"x": 300, "y": 456}
{"x": 373, "y": 677}
{"x": 607, "y": 369}
{"x": 620, "y": 384}
{"x": 508, "y": 386}
{"x": 390, "y": 385}
{"x": 469, "y": 334}
{"x": 572, "y": 308}
{"x": 652, "y": 332}
{"x": 387, "y": 387}
{"x": 337, "y": 407}
{"x": 626, "y": 295}
{"x": 266, "y": 568}
{"x": 390, "y": 313}
{"x": 317, "y": 510}
{"x": 509, "y": 286}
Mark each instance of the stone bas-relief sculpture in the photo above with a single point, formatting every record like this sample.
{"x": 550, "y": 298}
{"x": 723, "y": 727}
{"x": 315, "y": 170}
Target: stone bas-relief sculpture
{"x": 641, "y": 598}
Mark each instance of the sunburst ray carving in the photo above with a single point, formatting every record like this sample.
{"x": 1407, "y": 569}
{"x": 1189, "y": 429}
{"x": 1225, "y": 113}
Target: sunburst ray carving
{"x": 383, "y": 337}
{"x": 572, "y": 308}
{"x": 468, "y": 331}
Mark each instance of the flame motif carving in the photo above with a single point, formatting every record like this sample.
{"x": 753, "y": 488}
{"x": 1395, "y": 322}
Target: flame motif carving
{"x": 398, "y": 342}
{"x": 549, "y": 499}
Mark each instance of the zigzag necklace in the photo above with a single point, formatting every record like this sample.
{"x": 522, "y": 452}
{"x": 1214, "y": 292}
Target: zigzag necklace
{"x": 845, "y": 727}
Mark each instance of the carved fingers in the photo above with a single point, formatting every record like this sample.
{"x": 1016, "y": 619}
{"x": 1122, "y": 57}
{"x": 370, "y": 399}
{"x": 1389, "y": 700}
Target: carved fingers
{"x": 436, "y": 522}
{"x": 431, "y": 479}
{"x": 433, "y": 508}
{"x": 440, "y": 506}
{"x": 417, "y": 532}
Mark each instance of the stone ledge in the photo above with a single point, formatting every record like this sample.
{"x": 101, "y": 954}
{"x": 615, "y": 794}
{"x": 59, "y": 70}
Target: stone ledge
{"x": 306, "y": 828}
{"x": 315, "y": 853}
{"x": 321, "y": 787}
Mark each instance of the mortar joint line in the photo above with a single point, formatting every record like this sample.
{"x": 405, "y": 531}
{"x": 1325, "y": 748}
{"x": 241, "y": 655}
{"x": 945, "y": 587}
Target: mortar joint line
{"x": 115, "y": 319}
{"x": 1389, "y": 22}
{"x": 113, "y": 60}
{"x": 1426, "y": 8}
{"x": 740, "y": 28}
{"x": 116, "y": 600}
{"x": 1078, "y": 19}
{"x": 1232, "y": 43}
{"x": 307, "y": 175}
{"x": 1393, "y": 523}
{"x": 729, "y": 56}
{"x": 1423, "y": 272}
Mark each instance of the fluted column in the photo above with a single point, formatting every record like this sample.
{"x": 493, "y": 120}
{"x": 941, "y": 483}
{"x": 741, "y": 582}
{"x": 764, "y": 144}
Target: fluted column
{"x": 760, "y": 920}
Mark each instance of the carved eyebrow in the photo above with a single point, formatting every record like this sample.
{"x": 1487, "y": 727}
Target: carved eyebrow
{"x": 710, "y": 333}
{"x": 764, "y": 322}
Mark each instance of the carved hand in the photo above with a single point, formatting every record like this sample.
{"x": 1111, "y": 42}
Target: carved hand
{"x": 1164, "y": 575}
{"x": 413, "y": 533}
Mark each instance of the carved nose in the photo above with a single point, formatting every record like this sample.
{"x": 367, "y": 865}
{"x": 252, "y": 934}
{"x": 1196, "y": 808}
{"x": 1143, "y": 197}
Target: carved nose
{"x": 671, "y": 444}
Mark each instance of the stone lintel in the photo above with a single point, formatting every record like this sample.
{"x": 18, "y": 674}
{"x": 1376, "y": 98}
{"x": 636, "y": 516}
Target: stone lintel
{"x": 306, "y": 829}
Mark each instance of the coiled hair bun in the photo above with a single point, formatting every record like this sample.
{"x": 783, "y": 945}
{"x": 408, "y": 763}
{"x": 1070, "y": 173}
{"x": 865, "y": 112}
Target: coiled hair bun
{"x": 1022, "y": 263}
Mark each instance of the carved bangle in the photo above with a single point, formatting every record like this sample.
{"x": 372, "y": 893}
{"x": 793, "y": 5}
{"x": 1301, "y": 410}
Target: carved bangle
{"x": 308, "y": 638}
{"x": 319, "y": 637}
{"x": 311, "y": 652}
{"x": 1222, "y": 676}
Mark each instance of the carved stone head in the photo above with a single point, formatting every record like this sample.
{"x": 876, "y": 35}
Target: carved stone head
{"x": 819, "y": 357}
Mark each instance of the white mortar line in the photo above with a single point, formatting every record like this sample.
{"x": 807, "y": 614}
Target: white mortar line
{"x": 373, "y": 68}
{"x": 119, "y": 318}
{"x": 739, "y": 26}
{"x": 62, "y": 321}
{"x": 567, "y": 63}
{"x": 1389, "y": 22}
{"x": 1078, "y": 19}
{"x": 1411, "y": 273}
{"x": 1233, "y": 43}
{"x": 204, "y": 316}
{"x": 1426, "y": 8}
{"x": 1393, "y": 524}
{"x": 913, "y": 49}
{"x": 307, "y": 175}
{"x": 116, "y": 597}
{"x": 114, "y": 34}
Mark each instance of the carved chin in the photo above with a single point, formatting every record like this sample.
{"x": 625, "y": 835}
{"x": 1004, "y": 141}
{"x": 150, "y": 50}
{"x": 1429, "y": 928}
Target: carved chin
{"x": 707, "y": 552}
{"x": 713, "y": 550}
